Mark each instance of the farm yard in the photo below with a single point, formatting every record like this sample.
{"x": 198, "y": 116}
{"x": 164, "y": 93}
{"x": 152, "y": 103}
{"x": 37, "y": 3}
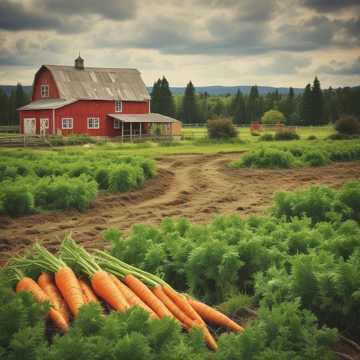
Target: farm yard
{"x": 271, "y": 226}
{"x": 179, "y": 182}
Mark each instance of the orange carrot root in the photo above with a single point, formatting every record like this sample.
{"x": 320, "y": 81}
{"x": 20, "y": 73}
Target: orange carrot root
{"x": 68, "y": 284}
{"x": 145, "y": 294}
{"x": 105, "y": 288}
{"x": 47, "y": 284}
{"x": 131, "y": 297}
{"x": 88, "y": 293}
{"x": 214, "y": 316}
{"x": 29, "y": 285}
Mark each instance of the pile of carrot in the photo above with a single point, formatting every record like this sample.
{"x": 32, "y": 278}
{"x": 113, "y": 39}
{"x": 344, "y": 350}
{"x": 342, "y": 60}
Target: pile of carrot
{"x": 107, "y": 280}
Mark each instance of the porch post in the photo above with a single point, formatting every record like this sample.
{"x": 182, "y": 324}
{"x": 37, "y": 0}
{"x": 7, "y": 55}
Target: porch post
{"x": 122, "y": 131}
{"x": 140, "y": 130}
{"x": 131, "y": 131}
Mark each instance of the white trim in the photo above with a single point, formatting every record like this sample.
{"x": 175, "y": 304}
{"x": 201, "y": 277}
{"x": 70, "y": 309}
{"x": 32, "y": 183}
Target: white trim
{"x": 117, "y": 123}
{"x": 118, "y": 109}
{"x": 44, "y": 93}
{"x": 33, "y": 127}
{"x": 95, "y": 122}
{"x": 47, "y": 122}
{"x": 68, "y": 126}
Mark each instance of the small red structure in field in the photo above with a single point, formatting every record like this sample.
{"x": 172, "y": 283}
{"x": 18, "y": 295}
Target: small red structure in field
{"x": 104, "y": 102}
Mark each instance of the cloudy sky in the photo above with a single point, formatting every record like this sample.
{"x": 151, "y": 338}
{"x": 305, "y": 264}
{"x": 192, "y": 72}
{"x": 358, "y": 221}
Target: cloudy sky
{"x": 211, "y": 42}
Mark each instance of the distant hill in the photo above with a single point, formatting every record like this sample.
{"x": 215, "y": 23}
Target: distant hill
{"x": 222, "y": 90}
{"x": 211, "y": 90}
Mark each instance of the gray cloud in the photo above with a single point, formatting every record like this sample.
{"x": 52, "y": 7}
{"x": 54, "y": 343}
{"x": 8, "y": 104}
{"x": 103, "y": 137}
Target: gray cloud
{"x": 284, "y": 64}
{"x": 110, "y": 9}
{"x": 330, "y": 5}
{"x": 15, "y": 16}
{"x": 341, "y": 68}
{"x": 61, "y": 15}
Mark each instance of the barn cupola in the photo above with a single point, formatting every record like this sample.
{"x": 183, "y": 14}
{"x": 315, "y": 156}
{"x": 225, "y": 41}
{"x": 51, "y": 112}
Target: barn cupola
{"x": 79, "y": 63}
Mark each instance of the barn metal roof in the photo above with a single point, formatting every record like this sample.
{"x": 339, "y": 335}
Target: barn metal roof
{"x": 98, "y": 83}
{"x": 143, "y": 118}
{"x": 45, "y": 104}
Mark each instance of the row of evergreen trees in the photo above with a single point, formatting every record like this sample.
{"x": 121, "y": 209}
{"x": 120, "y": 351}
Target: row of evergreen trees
{"x": 9, "y": 103}
{"x": 313, "y": 107}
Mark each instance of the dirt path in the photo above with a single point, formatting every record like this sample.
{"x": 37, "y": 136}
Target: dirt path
{"x": 194, "y": 186}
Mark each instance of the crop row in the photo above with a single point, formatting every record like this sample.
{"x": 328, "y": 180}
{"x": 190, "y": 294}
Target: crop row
{"x": 309, "y": 246}
{"x": 56, "y": 181}
{"x": 298, "y": 267}
{"x": 297, "y": 156}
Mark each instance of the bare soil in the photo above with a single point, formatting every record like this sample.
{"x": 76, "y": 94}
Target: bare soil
{"x": 196, "y": 186}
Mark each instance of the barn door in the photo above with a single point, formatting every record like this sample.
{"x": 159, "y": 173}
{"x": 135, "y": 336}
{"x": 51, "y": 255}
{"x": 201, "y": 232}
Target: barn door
{"x": 29, "y": 126}
{"x": 44, "y": 126}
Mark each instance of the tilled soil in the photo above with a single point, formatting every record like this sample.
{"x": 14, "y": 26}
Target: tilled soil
{"x": 196, "y": 186}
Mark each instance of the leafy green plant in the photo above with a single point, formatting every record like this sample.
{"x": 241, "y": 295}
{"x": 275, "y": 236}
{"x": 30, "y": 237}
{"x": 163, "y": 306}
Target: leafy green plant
{"x": 265, "y": 158}
{"x": 16, "y": 200}
{"x": 315, "y": 158}
{"x": 266, "y": 137}
{"x": 286, "y": 134}
{"x": 221, "y": 128}
{"x": 65, "y": 193}
{"x": 273, "y": 117}
{"x": 123, "y": 178}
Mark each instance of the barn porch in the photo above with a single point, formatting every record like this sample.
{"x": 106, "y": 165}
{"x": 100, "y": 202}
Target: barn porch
{"x": 132, "y": 127}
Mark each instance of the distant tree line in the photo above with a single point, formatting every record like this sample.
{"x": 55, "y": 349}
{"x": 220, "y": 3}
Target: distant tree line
{"x": 9, "y": 103}
{"x": 313, "y": 107}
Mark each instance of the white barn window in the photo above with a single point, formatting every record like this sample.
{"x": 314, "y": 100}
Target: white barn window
{"x": 93, "y": 123}
{"x": 67, "y": 123}
{"x": 117, "y": 124}
{"x": 118, "y": 106}
{"x": 44, "y": 90}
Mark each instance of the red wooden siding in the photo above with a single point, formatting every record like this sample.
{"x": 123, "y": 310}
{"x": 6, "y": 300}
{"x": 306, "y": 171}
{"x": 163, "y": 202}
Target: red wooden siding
{"x": 80, "y": 111}
{"x": 37, "y": 114}
{"x": 44, "y": 77}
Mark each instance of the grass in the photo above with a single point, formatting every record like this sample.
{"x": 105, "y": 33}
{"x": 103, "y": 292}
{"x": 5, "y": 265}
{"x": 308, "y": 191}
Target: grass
{"x": 196, "y": 145}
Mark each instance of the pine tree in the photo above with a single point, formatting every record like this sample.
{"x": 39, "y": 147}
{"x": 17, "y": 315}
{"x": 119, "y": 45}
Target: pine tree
{"x": 167, "y": 105}
{"x": 21, "y": 99}
{"x": 4, "y": 108}
{"x": 317, "y": 106}
{"x": 189, "y": 111}
{"x": 306, "y": 106}
{"x": 203, "y": 112}
{"x": 253, "y": 105}
{"x": 238, "y": 108}
{"x": 155, "y": 96}
{"x": 287, "y": 105}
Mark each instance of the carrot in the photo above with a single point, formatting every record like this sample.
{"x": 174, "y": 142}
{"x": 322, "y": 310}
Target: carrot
{"x": 131, "y": 297}
{"x": 173, "y": 308}
{"x": 216, "y": 317}
{"x": 182, "y": 316}
{"x": 47, "y": 285}
{"x": 145, "y": 294}
{"x": 68, "y": 284}
{"x": 107, "y": 290}
{"x": 65, "y": 279}
{"x": 29, "y": 285}
{"x": 88, "y": 292}
{"x": 181, "y": 301}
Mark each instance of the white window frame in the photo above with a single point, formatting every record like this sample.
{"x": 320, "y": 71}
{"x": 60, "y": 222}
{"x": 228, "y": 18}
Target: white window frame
{"x": 117, "y": 124}
{"x": 47, "y": 122}
{"x": 94, "y": 122}
{"x": 66, "y": 120}
{"x": 44, "y": 90}
{"x": 118, "y": 106}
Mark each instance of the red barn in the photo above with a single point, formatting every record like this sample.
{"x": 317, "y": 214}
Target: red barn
{"x": 102, "y": 102}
